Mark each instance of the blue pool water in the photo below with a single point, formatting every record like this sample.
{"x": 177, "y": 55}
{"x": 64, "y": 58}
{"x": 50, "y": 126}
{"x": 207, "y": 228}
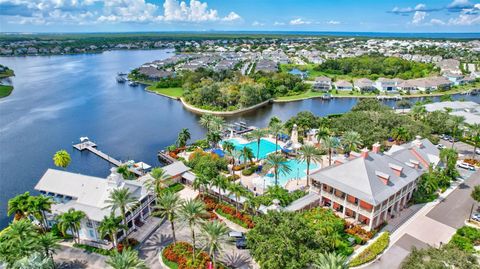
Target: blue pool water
{"x": 298, "y": 170}
{"x": 266, "y": 147}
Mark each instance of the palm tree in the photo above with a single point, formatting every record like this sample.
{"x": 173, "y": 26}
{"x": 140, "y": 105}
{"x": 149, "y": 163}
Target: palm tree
{"x": 330, "y": 261}
{"x": 125, "y": 172}
{"x": 127, "y": 259}
{"x": 257, "y": 135}
{"x": 279, "y": 165}
{"x": 214, "y": 137}
{"x": 351, "y": 141}
{"x": 48, "y": 243}
{"x": 183, "y": 137}
{"x": 62, "y": 159}
{"x": 247, "y": 155}
{"x": 229, "y": 148}
{"x": 35, "y": 260}
{"x": 309, "y": 154}
{"x": 323, "y": 133}
{"x": 418, "y": 112}
{"x": 475, "y": 134}
{"x": 207, "y": 121}
{"x": 215, "y": 234}
{"x": 221, "y": 182}
{"x": 157, "y": 182}
{"x": 200, "y": 182}
{"x": 191, "y": 213}
{"x": 275, "y": 129}
{"x": 330, "y": 143}
{"x": 168, "y": 206}
{"x": 38, "y": 205}
{"x": 237, "y": 190}
{"x": 121, "y": 199}
{"x": 19, "y": 240}
{"x": 400, "y": 135}
{"x": 109, "y": 226}
{"x": 19, "y": 205}
{"x": 455, "y": 122}
{"x": 71, "y": 220}
{"x": 217, "y": 123}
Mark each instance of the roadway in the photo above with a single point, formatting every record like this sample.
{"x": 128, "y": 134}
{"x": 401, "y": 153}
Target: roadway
{"x": 433, "y": 225}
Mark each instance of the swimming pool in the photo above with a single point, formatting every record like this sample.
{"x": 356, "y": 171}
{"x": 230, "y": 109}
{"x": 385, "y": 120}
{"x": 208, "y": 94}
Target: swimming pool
{"x": 298, "y": 170}
{"x": 266, "y": 147}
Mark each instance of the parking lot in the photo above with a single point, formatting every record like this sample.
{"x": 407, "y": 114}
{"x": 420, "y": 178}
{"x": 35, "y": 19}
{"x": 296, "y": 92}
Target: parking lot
{"x": 464, "y": 150}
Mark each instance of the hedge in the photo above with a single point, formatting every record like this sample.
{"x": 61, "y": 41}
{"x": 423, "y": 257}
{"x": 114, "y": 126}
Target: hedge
{"x": 372, "y": 251}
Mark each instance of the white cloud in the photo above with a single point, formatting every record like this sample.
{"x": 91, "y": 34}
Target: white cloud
{"x": 128, "y": 11}
{"x": 418, "y": 17}
{"x": 465, "y": 19}
{"x": 418, "y": 7}
{"x": 232, "y": 16}
{"x": 257, "y": 23}
{"x": 333, "y": 22}
{"x": 437, "y": 22}
{"x": 299, "y": 21}
{"x": 278, "y": 23}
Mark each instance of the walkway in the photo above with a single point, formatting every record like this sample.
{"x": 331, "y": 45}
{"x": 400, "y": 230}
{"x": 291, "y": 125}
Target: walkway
{"x": 433, "y": 224}
{"x": 75, "y": 258}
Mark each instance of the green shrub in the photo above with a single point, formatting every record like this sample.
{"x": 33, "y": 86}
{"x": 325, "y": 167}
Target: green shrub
{"x": 91, "y": 249}
{"x": 372, "y": 251}
{"x": 462, "y": 243}
{"x": 249, "y": 171}
{"x": 466, "y": 238}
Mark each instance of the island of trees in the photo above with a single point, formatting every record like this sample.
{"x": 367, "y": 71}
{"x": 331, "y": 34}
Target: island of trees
{"x": 5, "y": 72}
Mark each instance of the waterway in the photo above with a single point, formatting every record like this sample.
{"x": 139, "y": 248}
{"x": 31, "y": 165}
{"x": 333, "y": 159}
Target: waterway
{"x": 58, "y": 99}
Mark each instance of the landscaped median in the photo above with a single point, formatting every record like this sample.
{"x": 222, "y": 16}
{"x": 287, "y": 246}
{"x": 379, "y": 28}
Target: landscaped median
{"x": 180, "y": 255}
{"x": 372, "y": 251}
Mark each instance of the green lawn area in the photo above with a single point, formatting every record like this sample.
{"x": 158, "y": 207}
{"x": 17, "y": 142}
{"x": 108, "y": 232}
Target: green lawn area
{"x": 7, "y": 73}
{"x": 5, "y": 90}
{"x": 172, "y": 92}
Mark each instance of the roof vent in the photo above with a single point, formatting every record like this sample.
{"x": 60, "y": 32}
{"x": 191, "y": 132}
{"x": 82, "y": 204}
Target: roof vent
{"x": 364, "y": 153}
{"x": 396, "y": 168}
{"x": 415, "y": 163}
{"x": 376, "y": 148}
{"x": 418, "y": 141}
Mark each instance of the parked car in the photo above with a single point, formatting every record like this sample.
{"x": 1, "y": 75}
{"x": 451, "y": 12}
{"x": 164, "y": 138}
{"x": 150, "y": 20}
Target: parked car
{"x": 477, "y": 151}
{"x": 442, "y": 136}
{"x": 465, "y": 165}
{"x": 236, "y": 235}
{"x": 241, "y": 243}
{"x": 441, "y": 146}
{"x": 476, "y": 216}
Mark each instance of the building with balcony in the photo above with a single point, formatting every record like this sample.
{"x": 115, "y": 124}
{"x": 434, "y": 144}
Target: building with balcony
{"x": 88, "y": 194}
{"x": 372, "y": 187}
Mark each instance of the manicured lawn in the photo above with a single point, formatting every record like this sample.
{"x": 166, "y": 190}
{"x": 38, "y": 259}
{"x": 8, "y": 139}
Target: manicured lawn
{"x": 5, "y": 90}
{"x": 172, "y": 92}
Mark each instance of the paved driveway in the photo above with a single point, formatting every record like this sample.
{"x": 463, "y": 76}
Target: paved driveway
{"x": 464, "y": 150}
{"x": 74, "y": 258}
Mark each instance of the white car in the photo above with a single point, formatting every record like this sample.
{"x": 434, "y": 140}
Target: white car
{"x": 476, "y": 216}
{"x": 465, "y": 165}
{"x": 441, "y": 146}
{"x": 477, "y": 151}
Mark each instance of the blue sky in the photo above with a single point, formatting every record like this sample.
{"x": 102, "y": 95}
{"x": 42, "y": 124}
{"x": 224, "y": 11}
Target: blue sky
{"x": 251, "y": 15}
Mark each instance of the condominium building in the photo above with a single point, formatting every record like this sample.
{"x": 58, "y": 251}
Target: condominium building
{"x": 371, "y": 187}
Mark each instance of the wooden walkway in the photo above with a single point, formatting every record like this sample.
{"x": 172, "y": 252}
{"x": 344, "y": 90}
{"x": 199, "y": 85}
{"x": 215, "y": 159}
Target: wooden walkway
{"x": 92, "y": 147}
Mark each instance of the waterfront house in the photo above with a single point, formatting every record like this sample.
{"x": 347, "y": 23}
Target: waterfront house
{"x": 88, "y": 194}
{"x": 322, "y": 83}
{"x": 343, "y": 85}
{"x": 153, "y": 73}
{"x": 364, "y": 85}
{"x": 387, "y": 84}
{"x": 372, "y": 187}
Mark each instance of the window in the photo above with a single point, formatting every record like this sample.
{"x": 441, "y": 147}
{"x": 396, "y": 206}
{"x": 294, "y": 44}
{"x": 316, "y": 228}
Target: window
{"x": 91, "y": 233}
{"x": 89, "y": 223}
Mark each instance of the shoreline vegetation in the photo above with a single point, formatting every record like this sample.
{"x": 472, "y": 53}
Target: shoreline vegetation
{"x": 176, "y": 94}
{"x": 5, "y": 72}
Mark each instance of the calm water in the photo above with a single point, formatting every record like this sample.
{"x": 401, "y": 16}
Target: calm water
{"x": 58, "y": 99}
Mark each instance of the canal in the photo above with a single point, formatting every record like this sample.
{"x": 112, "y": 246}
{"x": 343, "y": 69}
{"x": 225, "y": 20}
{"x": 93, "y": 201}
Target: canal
{"x": 58, "y": 99}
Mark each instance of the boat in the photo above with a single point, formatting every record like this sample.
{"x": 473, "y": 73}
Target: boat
{"x": 121, "y": 79}
{"x": 326, "y": 96}
{"x": 133, "y": 83}
{"x": 121, "y": 73}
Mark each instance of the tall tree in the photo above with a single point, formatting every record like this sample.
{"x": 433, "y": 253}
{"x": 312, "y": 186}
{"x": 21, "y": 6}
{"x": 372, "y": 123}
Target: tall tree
{"x": 237, "y": 190}
{"x": 214, "y": 137}
{"x": 191, "y": 213}
{"x": 62, "y": 159}
{"x": 71, "y": 220}
{"x": 157, "y": 182}
{"x": 19, "y": 240}
{"x": 125, "y": 172}
{"x": 275, "y": 129}
{"x": 201, "y": 181}
{"x": 48, "y": 243}
{"x": 247, "y": 155}
{"x": 183, "y": 137}
{"x": 221, "y": 182}
{"x": 19, "y": 205}
{"x": 121, "y": 199}
{"x": 215, "y": 234}
{"x": 351, "y": 141}
{"x": 449, "y": 158}
{"x": 401, "y": 135}
{"x": 168, "y": 207}
{"x": 38, "y": 205}
{"x": 330, "y": 143}
{"x": 475, "y": 135}
{"x": 109, "y": 227}
{"x": 323, "y": 133}
{"x": 456, "y": 123}
{"x": 127, "y": 259}
{"x": 229, "y": 148}
{"x": 418, "y": 112}
{"x": 257, "y": 135}
{"x": 279, "y": 165}
{"x": 309, "y": 154}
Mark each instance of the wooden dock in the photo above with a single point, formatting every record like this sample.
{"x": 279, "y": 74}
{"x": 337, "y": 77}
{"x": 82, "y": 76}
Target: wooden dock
{"x": 92, "y": 147}
{"x": 165, "y": 158}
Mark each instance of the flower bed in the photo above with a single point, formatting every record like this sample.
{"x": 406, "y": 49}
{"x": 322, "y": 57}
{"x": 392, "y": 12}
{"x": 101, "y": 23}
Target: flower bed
{"x": 179, "y": 256}
{"x": 228, "y": 212}
{"x": 358, "y": 231}
{"x": 372, "y": 251}
{"x": 472, "y": 162}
